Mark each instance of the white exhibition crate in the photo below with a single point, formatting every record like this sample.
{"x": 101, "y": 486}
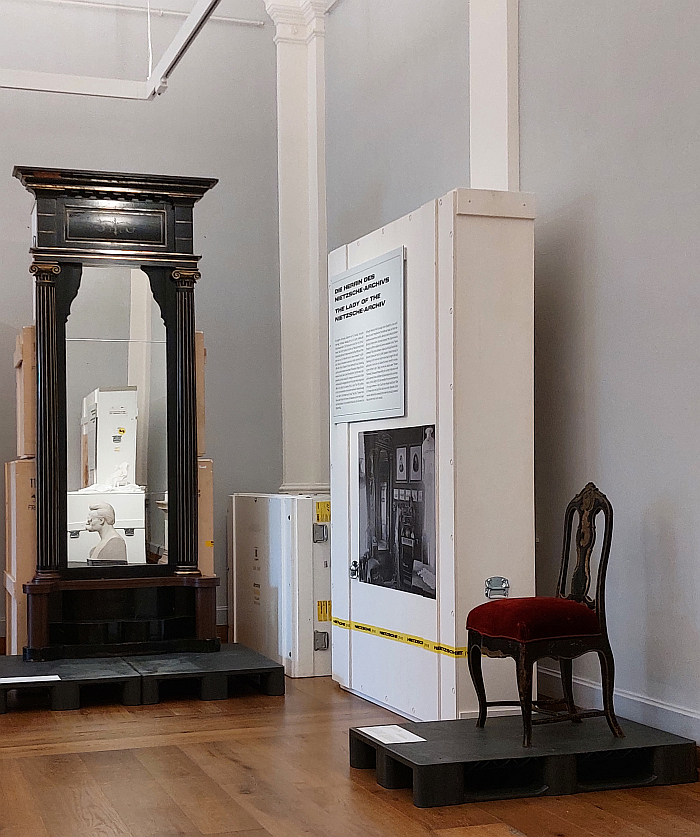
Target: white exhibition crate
{"x": 428, "y": 505}
{"x": 109, "y": 434}
{"x": 279, "y": 579}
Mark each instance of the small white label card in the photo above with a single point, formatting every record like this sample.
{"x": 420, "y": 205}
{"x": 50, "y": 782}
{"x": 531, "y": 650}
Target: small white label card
{"x": 43, "y": 678}
{"x": 391, "y": 734}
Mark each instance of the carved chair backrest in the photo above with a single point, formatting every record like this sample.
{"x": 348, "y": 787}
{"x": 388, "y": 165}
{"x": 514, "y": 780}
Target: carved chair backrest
{"x": 588, "y": 503}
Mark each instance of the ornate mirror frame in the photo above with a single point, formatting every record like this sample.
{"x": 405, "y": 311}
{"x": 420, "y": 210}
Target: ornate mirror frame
{"x": 107, "y": 218}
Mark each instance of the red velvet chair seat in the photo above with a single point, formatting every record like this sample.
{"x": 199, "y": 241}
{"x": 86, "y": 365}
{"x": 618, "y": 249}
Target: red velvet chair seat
{"x": 534, "y": 618}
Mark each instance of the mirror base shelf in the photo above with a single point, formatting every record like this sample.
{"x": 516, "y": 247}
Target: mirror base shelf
{"x": 99, "y": 617}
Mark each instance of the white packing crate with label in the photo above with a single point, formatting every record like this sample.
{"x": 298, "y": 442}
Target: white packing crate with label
{"x": 108, "y": 436}
{"x": 279, "y": 579}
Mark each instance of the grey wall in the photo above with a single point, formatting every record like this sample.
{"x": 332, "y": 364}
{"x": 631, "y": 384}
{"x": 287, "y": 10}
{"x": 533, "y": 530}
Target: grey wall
{"x": 609, "y": 125}
{"x": 217, "y": 119}
{"x": 397, "y": 109}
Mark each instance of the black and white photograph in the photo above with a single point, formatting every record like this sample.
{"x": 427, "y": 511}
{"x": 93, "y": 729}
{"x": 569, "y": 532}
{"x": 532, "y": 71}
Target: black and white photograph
{"x": 401, "y": 471}
{"x": 416, "y": 463}
{"x": 397, "y": 525}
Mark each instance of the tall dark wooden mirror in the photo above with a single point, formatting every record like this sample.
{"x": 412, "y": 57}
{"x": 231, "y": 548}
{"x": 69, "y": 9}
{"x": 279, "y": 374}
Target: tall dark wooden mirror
{"x": 102, "y": 229}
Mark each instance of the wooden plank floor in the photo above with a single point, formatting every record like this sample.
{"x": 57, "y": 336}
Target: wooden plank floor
{"x": 257, "y": 766}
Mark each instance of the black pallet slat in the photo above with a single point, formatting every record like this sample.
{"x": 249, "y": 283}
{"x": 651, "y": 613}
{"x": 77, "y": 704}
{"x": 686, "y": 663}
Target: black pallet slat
{"x": 65, "y": 693}
{"x": 212, "y": 670}
{"x": 458, "y": 762}
{"x": 123, "y": 650}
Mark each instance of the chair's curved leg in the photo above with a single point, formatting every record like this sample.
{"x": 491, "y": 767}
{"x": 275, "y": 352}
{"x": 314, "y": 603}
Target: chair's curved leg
{"x": 607, "y": 671}
{"x": 524, "y": 671}
{"x": 474, "y": 661}
{"x": 566, "y": 668}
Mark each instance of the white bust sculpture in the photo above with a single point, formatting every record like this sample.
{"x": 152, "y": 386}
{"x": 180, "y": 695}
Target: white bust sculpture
{"x": 112, "y": 547}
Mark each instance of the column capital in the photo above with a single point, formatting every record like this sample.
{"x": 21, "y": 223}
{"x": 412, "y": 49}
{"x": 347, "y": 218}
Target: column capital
{"x": 185, "y": 276}
{"x": 45, "y": 270}
{"x": 297, "y": 21}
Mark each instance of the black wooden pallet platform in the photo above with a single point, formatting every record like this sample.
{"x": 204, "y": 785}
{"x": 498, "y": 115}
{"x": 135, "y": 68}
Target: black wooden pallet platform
{"x": 138, "y": 678}
{"x": 460, "y": 763}
{"x": 15, "y": 673}
{"x": 212, "y": 670}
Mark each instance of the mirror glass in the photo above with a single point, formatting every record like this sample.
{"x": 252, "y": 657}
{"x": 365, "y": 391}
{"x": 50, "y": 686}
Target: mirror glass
{"x": 116, "y": 421}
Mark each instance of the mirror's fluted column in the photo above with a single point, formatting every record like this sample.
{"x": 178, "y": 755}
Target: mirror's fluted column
{"x": 184, "y": 504}
{"x": 47, "y": 450}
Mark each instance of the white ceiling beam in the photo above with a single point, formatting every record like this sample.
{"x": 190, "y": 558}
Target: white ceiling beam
{"x": 189, "y": 30}
{"x": 78, "y": 85}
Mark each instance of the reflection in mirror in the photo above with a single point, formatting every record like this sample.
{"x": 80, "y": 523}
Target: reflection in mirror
{"x": 116, "y": 421}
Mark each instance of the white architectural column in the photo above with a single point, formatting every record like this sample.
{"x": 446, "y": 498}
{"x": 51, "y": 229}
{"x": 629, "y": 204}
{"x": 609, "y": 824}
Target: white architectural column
{"x": 494, "y": 131}
{"x": 299, "y": 37}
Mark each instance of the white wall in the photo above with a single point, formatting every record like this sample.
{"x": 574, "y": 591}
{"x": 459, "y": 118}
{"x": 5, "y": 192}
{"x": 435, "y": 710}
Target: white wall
{"x": 397, "y": 109}
{"x": 217, "y": 119}
{"x": 609, "y": 126}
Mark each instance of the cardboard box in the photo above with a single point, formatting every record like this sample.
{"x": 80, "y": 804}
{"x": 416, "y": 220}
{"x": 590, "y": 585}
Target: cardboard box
{"x": 25, "y": 373}
{"x": 200, "y": 355}
{"x": 206, "y": 516}
{"x": 15, "y": 618}
{"x": 20, "y": 548}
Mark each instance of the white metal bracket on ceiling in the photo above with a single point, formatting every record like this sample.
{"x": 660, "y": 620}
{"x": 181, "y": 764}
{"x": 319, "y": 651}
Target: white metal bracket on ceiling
{"x": 156, "y": 83}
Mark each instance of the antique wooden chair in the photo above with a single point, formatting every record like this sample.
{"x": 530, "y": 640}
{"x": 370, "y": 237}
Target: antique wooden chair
{"x": 561, "y": 627}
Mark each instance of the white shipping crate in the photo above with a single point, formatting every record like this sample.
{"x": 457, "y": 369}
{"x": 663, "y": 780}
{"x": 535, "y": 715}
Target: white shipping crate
{"x": 279, "y": 579}
{"x": 429, "y": 505}
{"x": 109, "y": 434}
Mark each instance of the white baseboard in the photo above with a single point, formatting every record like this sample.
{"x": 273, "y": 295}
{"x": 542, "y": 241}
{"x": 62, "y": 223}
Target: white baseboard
{"x": 670, "y": 717}
{"x": 494, "y": 712}
{"x": 466, "y": 714}
{"x": 380, "y": 703}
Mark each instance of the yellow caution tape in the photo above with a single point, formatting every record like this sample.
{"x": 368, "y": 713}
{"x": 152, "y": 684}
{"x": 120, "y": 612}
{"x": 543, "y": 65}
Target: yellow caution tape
{"x": 395, "y": 636}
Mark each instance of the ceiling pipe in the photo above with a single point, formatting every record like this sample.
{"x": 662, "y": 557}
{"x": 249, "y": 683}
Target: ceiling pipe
{"x": 95, "y": 4}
